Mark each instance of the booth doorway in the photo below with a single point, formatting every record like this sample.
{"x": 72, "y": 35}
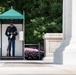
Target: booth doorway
{"x": 18, "y": 43}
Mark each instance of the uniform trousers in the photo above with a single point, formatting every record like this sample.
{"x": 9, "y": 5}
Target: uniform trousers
{"x": 11, "y": 44}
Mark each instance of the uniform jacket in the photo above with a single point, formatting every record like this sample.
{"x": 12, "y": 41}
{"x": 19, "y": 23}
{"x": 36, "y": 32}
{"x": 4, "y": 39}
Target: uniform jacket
{"x": 11, "y": 31}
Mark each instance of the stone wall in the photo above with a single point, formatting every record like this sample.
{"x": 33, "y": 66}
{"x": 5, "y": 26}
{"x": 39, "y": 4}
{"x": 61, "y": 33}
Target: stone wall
{"x": 51, "y": 42}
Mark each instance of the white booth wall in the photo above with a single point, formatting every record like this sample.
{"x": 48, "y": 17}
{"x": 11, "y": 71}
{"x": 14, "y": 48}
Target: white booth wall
{"x": 0, "y": 39}
{"x": 18, "y": 43}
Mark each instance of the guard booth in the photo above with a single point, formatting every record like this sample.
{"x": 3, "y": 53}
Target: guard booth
{"x": 18, "y": 21}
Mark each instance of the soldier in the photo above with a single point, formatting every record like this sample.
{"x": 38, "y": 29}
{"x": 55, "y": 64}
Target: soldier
{"x": 11, "y": 33}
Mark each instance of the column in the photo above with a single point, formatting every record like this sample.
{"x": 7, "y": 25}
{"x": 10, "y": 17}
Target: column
{"x": 66, "y": 53}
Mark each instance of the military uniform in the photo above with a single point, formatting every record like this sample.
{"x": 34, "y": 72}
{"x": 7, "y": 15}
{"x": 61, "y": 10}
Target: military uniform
{"x": 11, "y": 33}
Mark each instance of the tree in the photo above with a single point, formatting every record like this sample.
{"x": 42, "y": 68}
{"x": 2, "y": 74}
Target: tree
{"x": 41, "y": 16}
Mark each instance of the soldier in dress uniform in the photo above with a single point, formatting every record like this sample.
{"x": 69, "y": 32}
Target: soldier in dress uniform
{"x": 11, "y": 33}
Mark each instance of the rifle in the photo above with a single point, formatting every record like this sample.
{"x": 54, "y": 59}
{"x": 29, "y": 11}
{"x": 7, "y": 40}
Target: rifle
{"x": 7, "y": 52}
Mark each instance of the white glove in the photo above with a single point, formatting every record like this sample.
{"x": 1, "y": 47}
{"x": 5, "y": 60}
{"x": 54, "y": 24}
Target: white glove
{"x": 8, "y": 33}
{"x": 11, "y": 36}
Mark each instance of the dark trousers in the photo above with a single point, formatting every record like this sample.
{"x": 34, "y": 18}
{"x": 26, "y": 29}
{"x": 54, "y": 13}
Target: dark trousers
{"x": 11, "y": 43}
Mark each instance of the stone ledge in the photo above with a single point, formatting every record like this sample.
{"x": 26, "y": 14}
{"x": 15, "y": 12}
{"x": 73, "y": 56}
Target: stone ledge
{"x": 51, "y": 42}
{"x": 53, "y": 35}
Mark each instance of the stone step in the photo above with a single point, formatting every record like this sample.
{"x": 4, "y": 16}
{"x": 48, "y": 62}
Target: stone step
{"x": 12, "y": 58}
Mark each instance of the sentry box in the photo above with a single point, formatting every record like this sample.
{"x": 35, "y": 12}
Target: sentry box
{"x": 18, "y": 21}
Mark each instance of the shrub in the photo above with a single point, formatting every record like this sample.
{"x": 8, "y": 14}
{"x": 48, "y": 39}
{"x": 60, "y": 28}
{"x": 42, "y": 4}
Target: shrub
{"x": 33, "y": 54}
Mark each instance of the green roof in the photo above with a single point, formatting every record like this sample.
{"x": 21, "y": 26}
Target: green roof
{"x": 11, "y": 14}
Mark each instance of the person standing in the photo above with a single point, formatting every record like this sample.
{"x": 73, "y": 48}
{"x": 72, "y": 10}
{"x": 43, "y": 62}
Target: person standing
{"x": 11, "y": 33}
